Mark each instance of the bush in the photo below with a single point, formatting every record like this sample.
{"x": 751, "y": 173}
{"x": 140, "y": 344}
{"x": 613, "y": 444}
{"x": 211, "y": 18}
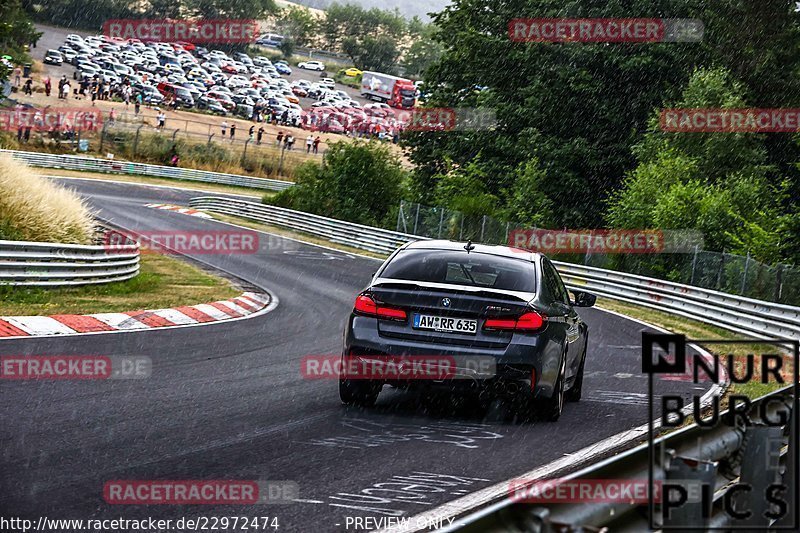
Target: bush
{"x": 33, "y": 208}
{"x": 359, "y": 181}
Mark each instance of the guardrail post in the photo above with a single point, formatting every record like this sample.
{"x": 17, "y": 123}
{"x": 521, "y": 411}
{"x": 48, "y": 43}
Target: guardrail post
{"x": 441, "y": 220}
{"x": 416, "y": 220}
{"x": 483, "y": 226}
{"x": 778, "y": 282}
{"x": 690, "y": 473}
{"x": 760, "y": 469}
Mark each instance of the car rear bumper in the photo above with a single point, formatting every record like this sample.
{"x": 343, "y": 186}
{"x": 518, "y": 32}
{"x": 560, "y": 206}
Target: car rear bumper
{"x": 527, "y": 365}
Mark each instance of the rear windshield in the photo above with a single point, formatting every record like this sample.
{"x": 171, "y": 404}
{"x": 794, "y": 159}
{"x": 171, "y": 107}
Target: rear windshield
{"x": 460, "y": 268}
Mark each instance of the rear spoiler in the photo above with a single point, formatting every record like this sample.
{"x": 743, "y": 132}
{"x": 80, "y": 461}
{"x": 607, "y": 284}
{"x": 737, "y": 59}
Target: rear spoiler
{"x": 524, "y": 297}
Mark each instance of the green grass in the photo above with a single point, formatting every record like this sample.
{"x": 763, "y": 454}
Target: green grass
{"x": 699, "y": 330}
{"x": 200, "y": 187}
{"x": 162, "y": 282}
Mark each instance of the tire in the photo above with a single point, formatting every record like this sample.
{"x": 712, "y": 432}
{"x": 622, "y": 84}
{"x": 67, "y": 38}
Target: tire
{"x": 358, "y": 392}
{"x": 574, "y": 394}
{"x": 551, "y": 408}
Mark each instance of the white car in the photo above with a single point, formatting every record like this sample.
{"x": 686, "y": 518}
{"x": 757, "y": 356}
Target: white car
{"x": 311, "y": 65}
{"x": 327, "y": 82}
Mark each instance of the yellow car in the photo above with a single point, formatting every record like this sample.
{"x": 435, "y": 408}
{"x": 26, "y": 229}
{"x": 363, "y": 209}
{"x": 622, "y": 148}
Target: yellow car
{"x": 352, "y": 72}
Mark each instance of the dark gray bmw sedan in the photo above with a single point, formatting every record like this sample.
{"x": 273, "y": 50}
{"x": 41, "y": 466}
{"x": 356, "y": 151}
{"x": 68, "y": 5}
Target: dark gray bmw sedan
{"x": 490, "y": 319}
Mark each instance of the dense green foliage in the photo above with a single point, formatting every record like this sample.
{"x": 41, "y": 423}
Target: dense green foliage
{"x": 359, "y": 181}
{"x": 74, "y": 13}
{"x": 16, "y": 32}
{"x": 575, "y": 119}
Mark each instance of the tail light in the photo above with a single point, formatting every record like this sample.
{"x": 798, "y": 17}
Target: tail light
{"x": 365, "y": 305}
{"x": 530, "y": 321}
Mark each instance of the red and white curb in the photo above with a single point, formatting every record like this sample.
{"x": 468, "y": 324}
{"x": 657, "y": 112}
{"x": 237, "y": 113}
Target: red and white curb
{"x": 181, "y": 210}
{"x": 244, "y": 306}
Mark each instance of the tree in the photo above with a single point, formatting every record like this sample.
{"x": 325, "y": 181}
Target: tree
{"x": 716, "y": 183}
{"x": 369, "y": 37}
{"x": 299, "y": 24}
{"x": 233, "y": 9}
{"x": 423, "y": 51}
{"x": 372, "y": 53}
{"x": 16, "y": 30}
{"x": 360, "y": 181}
{"x": 287, "y": 47}
{"x": 578, "y": 108}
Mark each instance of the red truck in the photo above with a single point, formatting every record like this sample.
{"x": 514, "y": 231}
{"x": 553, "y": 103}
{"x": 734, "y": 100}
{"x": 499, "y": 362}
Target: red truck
{"x": 397, "y": 92}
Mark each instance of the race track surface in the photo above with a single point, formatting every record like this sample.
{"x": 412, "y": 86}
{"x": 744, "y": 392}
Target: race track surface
{"x": 228, "y": 401}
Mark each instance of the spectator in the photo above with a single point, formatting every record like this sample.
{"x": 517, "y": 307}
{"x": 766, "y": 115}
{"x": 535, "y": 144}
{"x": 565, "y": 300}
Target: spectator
{"x": 279, "y": 138}
{"x": 233, "y": 131}
{"x": 27, "y": 134}
{"x": 224, "y": 127}
{"x": 290, "y": 139}
{"x": 316, "y": 144}
{"x": 137, "y": 103}
{"x": 260, "y": 135}
{"x": 28, "y": 88}
{"x": 65, "y": 89}
{"x": 47, "y": 86}
{"x": 112, "y": 117}
{"x": 17, "y": 76}
{"x": 251, "y": 132}
{"x": 309, "y": 142}
{"x": 162, "y": 120}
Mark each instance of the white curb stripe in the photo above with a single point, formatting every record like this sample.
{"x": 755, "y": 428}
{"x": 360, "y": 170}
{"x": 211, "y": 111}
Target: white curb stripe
{"x": 174, "y": 316}
{"x": 230, "y": 305}
{"x": 120, "y": 321}
{"x": 261, "y": 299}
{"x": 39, "y": 325}
{"x": 212, "y": 311}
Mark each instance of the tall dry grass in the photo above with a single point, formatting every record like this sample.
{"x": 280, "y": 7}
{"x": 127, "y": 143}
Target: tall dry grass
{"x": 33, "y": 208}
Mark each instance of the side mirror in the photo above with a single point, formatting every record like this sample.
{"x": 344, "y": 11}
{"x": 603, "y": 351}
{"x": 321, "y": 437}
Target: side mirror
{"x": 584, "y": 299}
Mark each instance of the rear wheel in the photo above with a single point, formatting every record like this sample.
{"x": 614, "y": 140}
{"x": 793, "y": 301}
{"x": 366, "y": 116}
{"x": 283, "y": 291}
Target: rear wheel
{"x": 551, "y": 408}
{"x": 574, "y": 394}
{"x": 359, "y": 392}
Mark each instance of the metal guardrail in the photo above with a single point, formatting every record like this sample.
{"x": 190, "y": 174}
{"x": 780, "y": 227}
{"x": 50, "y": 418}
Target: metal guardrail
{"x": 368, "y": 238}
{"x": 112, "y": 166}
{"x": 717, "y": 457}
{"x": 53, "y": 265}
{"x": 758, "y": 318}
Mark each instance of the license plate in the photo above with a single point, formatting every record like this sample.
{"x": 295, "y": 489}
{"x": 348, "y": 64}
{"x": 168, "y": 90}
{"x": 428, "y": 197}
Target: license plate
{"x": 445, "y": 324}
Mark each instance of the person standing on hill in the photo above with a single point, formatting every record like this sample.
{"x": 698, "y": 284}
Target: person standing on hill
{"x": 233, "y": 131}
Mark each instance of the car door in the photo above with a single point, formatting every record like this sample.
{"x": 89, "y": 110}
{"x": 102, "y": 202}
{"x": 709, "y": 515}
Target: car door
{"x": 575, "y": 328}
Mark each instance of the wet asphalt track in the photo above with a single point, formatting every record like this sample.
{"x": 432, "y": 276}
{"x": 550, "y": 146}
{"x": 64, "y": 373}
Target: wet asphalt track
{"x": 228, "y": 401}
